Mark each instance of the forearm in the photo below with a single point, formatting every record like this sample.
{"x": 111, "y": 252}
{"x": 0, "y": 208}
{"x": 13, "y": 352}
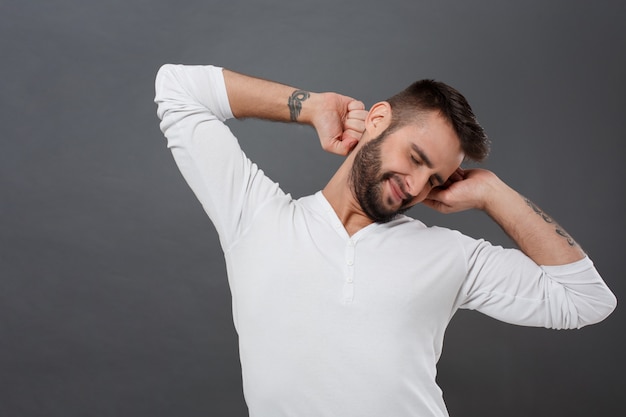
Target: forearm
{"x": 534, "y": 232}
{"x": 263, "y": 99}
{"x": 338, "y": 119}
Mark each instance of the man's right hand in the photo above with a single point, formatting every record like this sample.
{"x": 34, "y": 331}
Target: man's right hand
{"x": 339, "y": 122}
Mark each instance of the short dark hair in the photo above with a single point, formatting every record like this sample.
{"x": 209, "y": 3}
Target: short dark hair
{"x": 429, "y": 95}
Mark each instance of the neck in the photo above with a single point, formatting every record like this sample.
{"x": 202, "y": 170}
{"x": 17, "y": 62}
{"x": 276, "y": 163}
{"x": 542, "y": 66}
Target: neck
{"x": 339, "y": 194}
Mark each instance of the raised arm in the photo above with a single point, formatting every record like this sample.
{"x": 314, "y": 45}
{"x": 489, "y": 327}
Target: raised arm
{"x": 338, "y": 119}
{"x": 534, "y": 232}
{"x": 194, "y": 101}
{"x": 555, "y": 285}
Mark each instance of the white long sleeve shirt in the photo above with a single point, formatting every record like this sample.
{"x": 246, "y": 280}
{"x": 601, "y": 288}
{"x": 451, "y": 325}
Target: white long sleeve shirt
{"x": 337, "y": 325}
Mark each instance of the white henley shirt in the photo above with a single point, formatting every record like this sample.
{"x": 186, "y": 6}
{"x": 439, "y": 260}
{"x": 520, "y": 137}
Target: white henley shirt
{"x": 332, "y": 325}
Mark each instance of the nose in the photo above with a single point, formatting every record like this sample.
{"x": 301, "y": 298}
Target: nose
{"x": 418, "y": 185}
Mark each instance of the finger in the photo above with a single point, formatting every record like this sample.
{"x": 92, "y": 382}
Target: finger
{"x": 340, "y": 144}
{"x": 356, "y": 105}
{"x": 457, "y": 175}
{"x": 355, "y": 125}
{"x": 440, "y": 197}
{"x": 344, "y": 146}
{"x": 434, "y": 194}
{"x": 357, "y": 114}
{"x": 351, "y": 135}
{"x": 429, "y": 203}
{"x": 437, "y": 205}
{"x": 433, "y": 204}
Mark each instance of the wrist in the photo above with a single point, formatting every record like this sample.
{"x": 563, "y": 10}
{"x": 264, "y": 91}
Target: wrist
{"x": 495, "y": 195}
{"x": 311, "y": 109}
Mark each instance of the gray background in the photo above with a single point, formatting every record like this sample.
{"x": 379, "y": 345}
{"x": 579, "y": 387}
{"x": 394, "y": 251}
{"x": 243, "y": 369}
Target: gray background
{"x": 113, "y": 296}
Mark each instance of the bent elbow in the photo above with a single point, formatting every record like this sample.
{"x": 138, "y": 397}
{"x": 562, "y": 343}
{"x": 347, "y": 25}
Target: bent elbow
{"x": 161, "y": 89}
{"x": 607, "y": 308}
{"x": 599, "y": 310}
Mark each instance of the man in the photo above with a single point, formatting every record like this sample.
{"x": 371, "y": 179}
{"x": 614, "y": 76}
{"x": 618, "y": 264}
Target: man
{"x": 339, "y": 301}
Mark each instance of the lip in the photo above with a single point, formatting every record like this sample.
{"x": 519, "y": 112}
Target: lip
{"x": 396, "y": 191}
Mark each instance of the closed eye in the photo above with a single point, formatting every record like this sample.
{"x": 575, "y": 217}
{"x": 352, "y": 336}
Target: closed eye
{"x": 436, "y": 179}
{"x": 431, "y": 180}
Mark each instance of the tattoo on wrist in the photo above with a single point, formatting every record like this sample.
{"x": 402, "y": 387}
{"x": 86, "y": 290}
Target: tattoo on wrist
{"x": 559, "y": 231}
{"x": 295, "y": 103}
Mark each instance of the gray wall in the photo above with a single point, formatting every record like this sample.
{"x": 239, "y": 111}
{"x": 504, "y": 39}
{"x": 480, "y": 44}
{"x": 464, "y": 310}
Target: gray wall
{"x": 113, "y": 296}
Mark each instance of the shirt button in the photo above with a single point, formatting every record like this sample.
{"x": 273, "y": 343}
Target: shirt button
{"x": 349, "y": 279}
{"x": 351, "y": 242}
{"x": 350, "y": 262}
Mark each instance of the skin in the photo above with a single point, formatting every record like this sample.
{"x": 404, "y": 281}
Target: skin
{"x": 415, "y": 158}
{"x": 344, "y": 127}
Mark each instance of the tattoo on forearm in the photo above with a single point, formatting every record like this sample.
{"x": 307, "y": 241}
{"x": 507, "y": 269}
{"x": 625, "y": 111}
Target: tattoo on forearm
{"x": 537, "y": 210}
{"x": 559, "y": 231}
{"x": 563, "y": 233}
{"x": 295, "y": 103}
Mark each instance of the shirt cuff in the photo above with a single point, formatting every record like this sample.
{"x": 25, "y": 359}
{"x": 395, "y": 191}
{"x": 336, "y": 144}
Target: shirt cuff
{"x": 569, "y": 269}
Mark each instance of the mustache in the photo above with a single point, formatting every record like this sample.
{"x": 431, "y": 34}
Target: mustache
{"x": 406, "y": 196}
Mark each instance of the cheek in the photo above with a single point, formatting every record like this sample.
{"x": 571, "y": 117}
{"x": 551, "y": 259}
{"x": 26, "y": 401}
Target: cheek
{"x": 387, "y": 171}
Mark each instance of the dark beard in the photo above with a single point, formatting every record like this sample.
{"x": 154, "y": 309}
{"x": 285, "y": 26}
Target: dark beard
{"x": 367, "y": 182}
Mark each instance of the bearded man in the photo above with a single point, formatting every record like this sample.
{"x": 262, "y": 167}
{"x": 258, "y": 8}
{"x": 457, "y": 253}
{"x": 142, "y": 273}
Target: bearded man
{"x": 340, "y": 301}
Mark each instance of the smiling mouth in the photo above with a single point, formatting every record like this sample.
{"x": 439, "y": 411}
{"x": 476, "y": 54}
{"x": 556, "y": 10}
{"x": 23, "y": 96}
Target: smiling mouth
{"x": 398, "y": 192}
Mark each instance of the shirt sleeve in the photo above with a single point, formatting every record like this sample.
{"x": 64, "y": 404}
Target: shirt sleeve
{"x": 507, "y": 285}
{"x": 192, "y": 104}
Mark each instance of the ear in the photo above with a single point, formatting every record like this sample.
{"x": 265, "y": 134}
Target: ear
{"x": 378, "y": 118}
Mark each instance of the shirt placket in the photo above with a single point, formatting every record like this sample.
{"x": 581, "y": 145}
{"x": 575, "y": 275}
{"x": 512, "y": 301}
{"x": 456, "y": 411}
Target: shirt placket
{"x": 348, "y": 285}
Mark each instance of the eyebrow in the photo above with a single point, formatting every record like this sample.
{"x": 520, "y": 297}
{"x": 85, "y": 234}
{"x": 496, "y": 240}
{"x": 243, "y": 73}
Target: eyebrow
{"x": 427, "y": 161}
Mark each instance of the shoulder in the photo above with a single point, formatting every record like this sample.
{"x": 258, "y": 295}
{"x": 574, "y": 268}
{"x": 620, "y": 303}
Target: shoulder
{"x": 414, "y": 232}
{"x": 406, "y": 224}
